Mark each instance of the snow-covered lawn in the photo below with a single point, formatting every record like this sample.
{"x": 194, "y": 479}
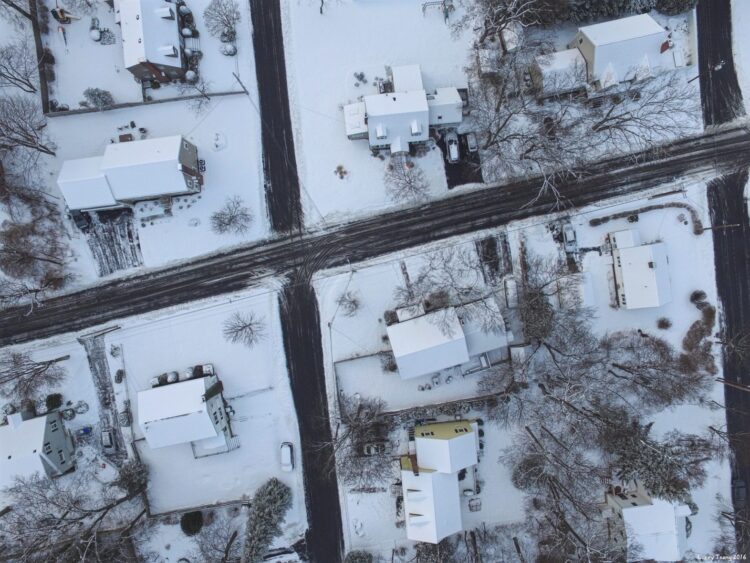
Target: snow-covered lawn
{"x": 81, "y": 62}
{"x": 227, "y": 135}
{"x": 741, "y": 44}
{"x": 322, "y": 53}
{"x": 255, "y": 383}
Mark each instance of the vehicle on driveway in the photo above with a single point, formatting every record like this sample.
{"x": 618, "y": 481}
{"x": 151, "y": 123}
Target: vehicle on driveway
{"x": 569, "y": 237}
{"x": 471, "y": 142}
{"x": 108, "y": 440}
{"x": 376, "y": 448}
{"x": 287, "y": 456}
{"x": 451, "y": 143}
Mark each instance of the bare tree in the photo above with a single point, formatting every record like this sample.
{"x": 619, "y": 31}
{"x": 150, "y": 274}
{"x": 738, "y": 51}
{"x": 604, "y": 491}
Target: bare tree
{"x": 21, "y": 377}
{"x": 31, "y": 250}
{"x": 349, "y": 303}
{"x": 222, "y": 17}
{"x": 59, "y": 520}
{"x": 497, "y": 16}
{"x": 22, "y": 125}
{"x": 15, "y": 11}
{"x": 404, "y": 180}
{"x": 234, "y": 217}
{"x": 81, "y": 6}
{"x": 244, "y": 328}
{"x": 19, "y": 66}
{"x": 221, "y": 539}
{"x": 360, "y": 424}
{"x": 14, "y": 292}
{"x": 199, "y": 92}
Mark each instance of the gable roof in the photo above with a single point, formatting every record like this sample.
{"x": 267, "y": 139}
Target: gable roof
{"x": 428, "y": 343}
{"x": 645, "y": 275}
{"x": 432, "y": 505}
{"x": 447, "y": 447}
{"x": 623, "y": 29}
{"x": 147, "y": 35}
{"x": 176, "y": 413}
{"x": 21, "y": 449}
{"x": 144, "y": 169}
{"x": 84, "y": 185}
{"x": 658, "y": 529}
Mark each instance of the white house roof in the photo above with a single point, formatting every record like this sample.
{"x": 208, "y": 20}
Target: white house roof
{"x": 144, "y": 169}
{"x": 428, "y": 343}
{"x": 84, "y": 185}
{"x": 625, "y": 239}
{"x": 354, "y": 118}
{"x": 446, "y": 447}
{"x": 623, "y": 29}
{"x": 432, "y": 505}
{"x": 446, "y": 106}
{"x": 561, "y": 71}
{"x": 407, "y": 78}
{"x": 645, "y": 275}
{"x": 21, "y": 449}
{"x": 396, "y": 103}
{"x": 175, "y": 413}
{"x": 479, "y": 341}
{"x": 658, "y": 528}
{"x": 147, "y": 35}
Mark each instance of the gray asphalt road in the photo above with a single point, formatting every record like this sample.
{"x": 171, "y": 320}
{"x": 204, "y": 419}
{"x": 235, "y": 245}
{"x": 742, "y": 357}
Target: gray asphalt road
{"x": 279, "y": 161}
{"x": 721, "y": 98}
{"x": 359, "y": 240}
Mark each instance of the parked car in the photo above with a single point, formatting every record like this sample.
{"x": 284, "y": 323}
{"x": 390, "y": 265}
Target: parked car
{"x": 376, "y": 448}
{"x": 471, "y": 142}
{"x": 108, "y": 440}
{"x": 451, "y": 142}
{"x": 287, "y": 456}
{"x": 569, "y": 236}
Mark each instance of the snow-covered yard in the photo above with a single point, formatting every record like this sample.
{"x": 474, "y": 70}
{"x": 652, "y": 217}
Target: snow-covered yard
{"x": 741, "y": 44}
{"x": 255, "y": 384}
{"x": 81, "y": 62}
{"x": 322, "y": 54}
{"x": 227, "y": 136}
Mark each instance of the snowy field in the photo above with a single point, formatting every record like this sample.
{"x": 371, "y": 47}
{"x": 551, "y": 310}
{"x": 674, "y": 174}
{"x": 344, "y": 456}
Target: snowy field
{"x": 371, "y": 517}
{"x": 104, "y": 67}
{"x": 255, "y": 384}
{"x": 227, "y": 135}
{"x": 741, "y": 47}
{"x": 322, "y": 53}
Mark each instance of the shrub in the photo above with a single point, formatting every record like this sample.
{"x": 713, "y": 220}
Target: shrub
{"x": 358, "y": 557}
{"x": 191, "y": 522}
{"x": 349, "y": 303}
{"x": 54, "y": 401}
{"x": 674, "y": 7}
{"x": 133, "y": 478}
{"x": 664, "y": 323}
{"x": 98, "y": 98}
{"x": 697, "y": 296}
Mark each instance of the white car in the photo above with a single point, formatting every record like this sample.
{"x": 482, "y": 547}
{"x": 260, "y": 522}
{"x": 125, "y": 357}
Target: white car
{"x": 451, "y": 141}
{"x": 471, "y": 142}
{"x": 287, "y": 456}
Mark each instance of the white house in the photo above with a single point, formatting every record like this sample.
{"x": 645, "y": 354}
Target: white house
{"x": 432, "y": 499}
{"x": 129, "y": 172}
{"x": 396, "y": 119}
{"x": 621, "y": 50}
{"x": 35, "y": 445}
{"x": 151, "y": 40}
{"x": 641, "y": 272}
{"x": 652, "y": 528}
{"x": 426, "y": 343}
{"x": 191, "y": 411}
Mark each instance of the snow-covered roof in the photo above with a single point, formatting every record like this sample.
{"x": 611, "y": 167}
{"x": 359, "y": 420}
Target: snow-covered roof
{"x": 396, "y": 103}
{"x": 446, "y": 106}
{"x": 658, "y": 529}
{"x": 623, "y": 29}
{"x": 150, "y": 33}
{"x": 432, "y": 504}
{"x": 407, "y": 78}
{"x": 446, "y": 447}
{"x": 623, "y": 49}
{"x": 428, "y": 343}
{"x": 144, "y": 169}
{"x": 84, "y": 185}
{"x": 176, "y": 413}
{"x": 355, "y": 118}
{"x": 561, "y": 71}
{"x": 625, "y": 239}
{"x": 644, "y": 274}
{"x": 21, "y": 443}
{"x": 478, "y": 340}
